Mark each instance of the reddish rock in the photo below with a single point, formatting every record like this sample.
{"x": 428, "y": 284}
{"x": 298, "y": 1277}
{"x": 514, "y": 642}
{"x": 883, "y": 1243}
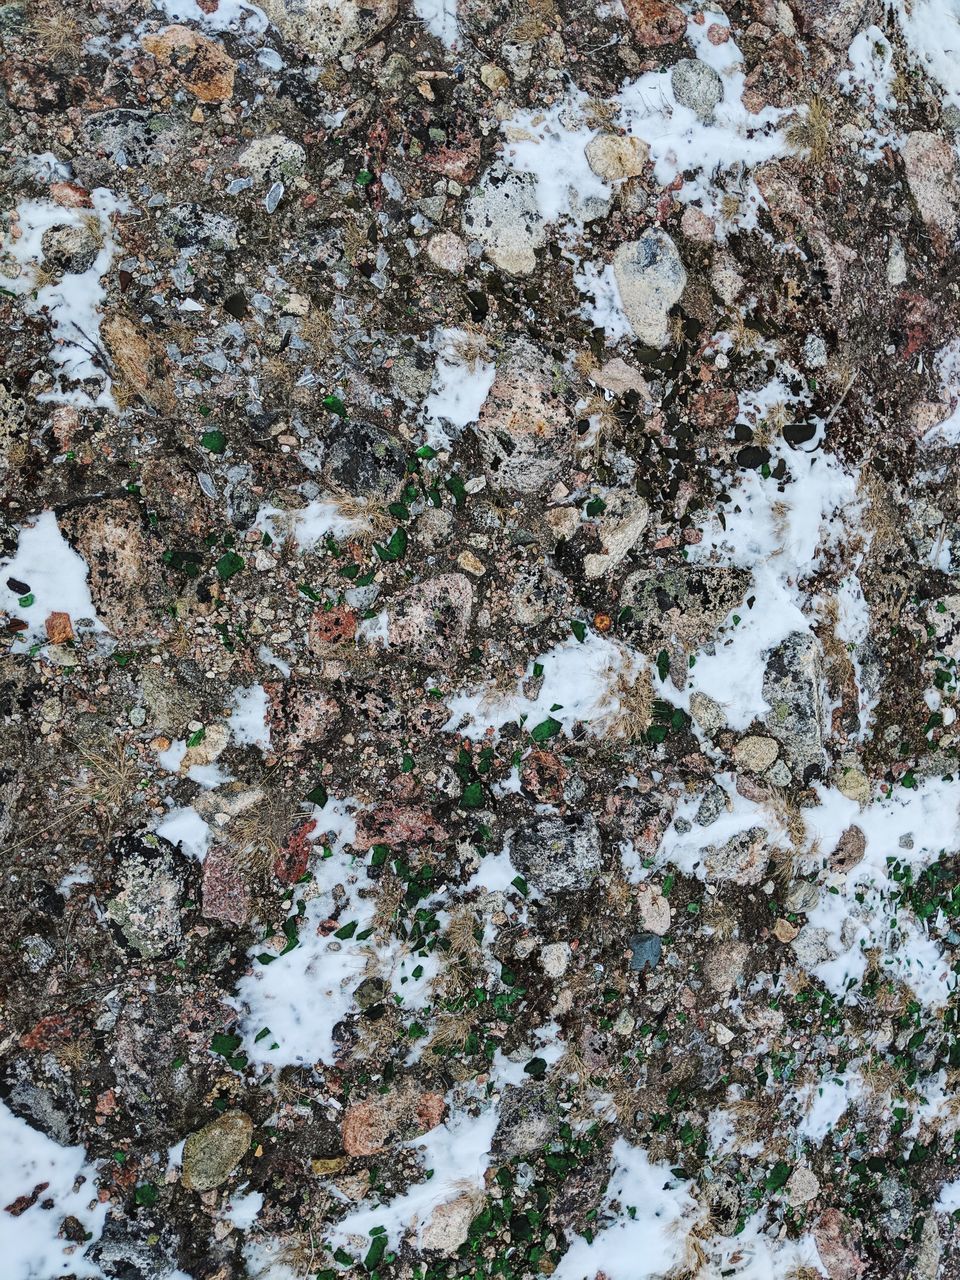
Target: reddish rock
{"x": 330, "y": 626}
{"x": 59, "y": 628}
{"x": 655, "y": 22}
{"x": 431, "y": 1109}
{"x": 543, "y": 775}
{"x": 298, "y": 714}
{"x": 366, "y": 1128}
{"x": 225, "y": 894}
{"x": 70, "y": 195}
{"x": 833, "y": 1236}
{"x": 294, "y": 858}
{"x": 204, "y": 66}
{"x": 397, "y": 825}
{"x": 714, "y": 409}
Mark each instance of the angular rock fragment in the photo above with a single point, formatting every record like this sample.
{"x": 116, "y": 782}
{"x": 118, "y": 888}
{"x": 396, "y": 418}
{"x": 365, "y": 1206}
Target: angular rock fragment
{"x": 558, "y": 854}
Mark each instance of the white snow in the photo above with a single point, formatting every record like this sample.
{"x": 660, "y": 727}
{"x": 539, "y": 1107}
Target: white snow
{"x": 186, "y": 828}
{"x": 29, "y": 1245}
{"x": 72, "y": 300}
{"x": 308, "y": 525}
{"x": 55, "y": 574}
{"x": 248, "y": 723}
{"x": 656, "y": 1208}
{"x": 229, "y": 15}
{"x": 931, "y": 29}
{"x": 871, "y": 67}
{"x": 462, "y": 378}
{"x": 440, "y": 19}
{"x": 948, "y": 1201}
{"x": 550, "y": 145}
{"x": 928, "y": 816}
{"x": 243, "y": 1209}
{"x": 456, "y": 1155}
{"x": 732, "y": 142}
{"x": 579, "y": 684}
{"x": 947, "y": 365}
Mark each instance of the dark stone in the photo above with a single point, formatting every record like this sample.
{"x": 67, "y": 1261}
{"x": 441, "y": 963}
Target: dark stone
{"x": 364, "y": 461}
{"x": 647, "y": 949}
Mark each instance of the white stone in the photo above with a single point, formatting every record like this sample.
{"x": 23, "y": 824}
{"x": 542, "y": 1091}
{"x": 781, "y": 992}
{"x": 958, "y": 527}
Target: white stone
{"x": 650, "y": 277}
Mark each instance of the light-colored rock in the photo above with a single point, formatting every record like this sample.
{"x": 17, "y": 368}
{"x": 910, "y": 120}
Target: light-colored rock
{"x": 725, "y": 964}
{"x": 784, "y": 931}
{"x": 212, "y": 1153}
{"x": 503, "y": 215}
{"x": 740, "y": 860}
{"x": 449, "y": 1224}
{"x": 273, "y": 159}
{"x": 755, "y": 753}
{"x": 803, "y": 1186}
{"x": 448, "y": 252}
{"x": 494, "y": 77}
{"x": 525, "y": 429}
{"x": 696, "y": 86}
{"x": 554, "y": 958}
{"x": 707, "y": 713}
{"x": 650, "y": 278}
{"x": 653, "y": 909}
{"x": 618, "y": 377}
{"x": 622, "y": 527}
{"x": 469, "y": 563}
{"x": 614, "y": 157}
{"x": 431, "y": 619}
{"x": 328, "y": 28}
{"x": 930, "y": 165}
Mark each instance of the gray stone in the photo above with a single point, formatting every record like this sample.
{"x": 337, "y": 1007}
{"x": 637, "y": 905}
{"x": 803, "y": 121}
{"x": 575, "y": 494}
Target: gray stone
{"x": 741, "y": 860}
{"x": 683, "y": 604}
{"x": 151, "y": 876}
{"x": 713, "y": 803}
{"x": 801, "y": 896}
{"x": 812, "y": 946}
{"x": 212, "y": 1153}
{"x": 364, "y": 461}
{"x": 529, "y": 1116}
{"x": 372, "y": 991}
{"x": 190, "y": 225}
{"x": 650, "y": 277}
{"x": 503, "y": 215}
{"x": 697, "y": 86}
{"x": 707, "y": 715}
{"x": 930, "y": 165}
{"x": 70, "y": 249}
{"x": 792, "y": 684}
{"x": 646, "y": 950}
{"x": 431, "y": 619}
{"x": 558, "y": 854}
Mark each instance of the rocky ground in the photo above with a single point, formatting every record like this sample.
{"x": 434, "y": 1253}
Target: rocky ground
{"x": 479, "y": 535}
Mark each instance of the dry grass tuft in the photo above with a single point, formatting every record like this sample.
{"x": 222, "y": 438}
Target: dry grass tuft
{"x": 635, "y": 705}
{"x": 811, "y": 131}
{"x": 58, "y": 34}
